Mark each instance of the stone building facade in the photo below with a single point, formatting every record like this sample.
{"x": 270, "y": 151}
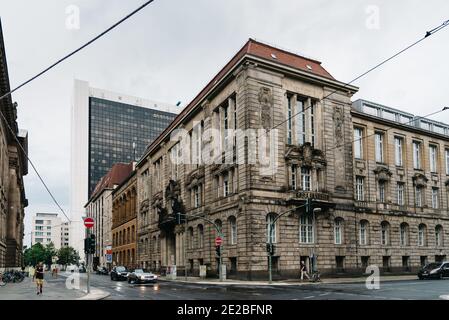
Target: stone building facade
{"x": 99, "y": 208}
{"x": 242, "y": 184}
{"x": 124, "y": 214}
{"x": 13, "y": 166}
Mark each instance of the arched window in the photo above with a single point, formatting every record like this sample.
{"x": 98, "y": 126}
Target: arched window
{"x": 128, "y": 238}
{"x": 363, "y": 233}
{"x": 439, "y": 236}
{"x": 133, "y": 232}
{"x": 271, "y": 228}
{"x": 404, "y": 234}
{"x": 338, "y": 231}
{"x": 146, "y": 246}
{"x": 306, "y": 229}
{"x": 154, "y": 244}
{"x": 422, "y": 235}
{"x": 120, "y": 239}
{"x": 385, "y": 233}
{"x": 200, "y": 236}
{"x": 232, "y": 230}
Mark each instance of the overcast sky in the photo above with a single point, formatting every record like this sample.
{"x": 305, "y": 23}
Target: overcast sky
{"x": 171, "y": 49}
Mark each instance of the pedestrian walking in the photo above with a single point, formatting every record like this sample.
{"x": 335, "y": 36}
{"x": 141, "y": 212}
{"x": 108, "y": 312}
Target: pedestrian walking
{"x": 31, "y": 272}
{"x": 303, "y": 270}
{"x": 39, "y": 275}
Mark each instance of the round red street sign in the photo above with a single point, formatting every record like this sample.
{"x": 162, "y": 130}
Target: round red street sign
{"x": 89, "y": 222}
{"x": 218, "y": 241}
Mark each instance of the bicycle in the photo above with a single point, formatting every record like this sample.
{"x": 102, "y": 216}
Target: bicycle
{"x": 316, "y": 277}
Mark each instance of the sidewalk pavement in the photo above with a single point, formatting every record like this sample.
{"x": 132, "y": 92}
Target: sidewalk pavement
{"x": 53, "y": 289}
{"x": 293, "y": 282}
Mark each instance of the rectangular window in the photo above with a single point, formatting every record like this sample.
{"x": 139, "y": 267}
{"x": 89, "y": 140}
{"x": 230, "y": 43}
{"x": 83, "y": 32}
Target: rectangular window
{"x": 416, "y": 155}
{"x": 306, "y": 229}
{"x": 358, "y": 143}
{"x": 447, "y": 162}
{"x": 294, "y": 169}
{"x": 435, "y": 198}
{"x": 300, "y": 122}
{"x": 337, "y": 232}
{"x": 381, "y": 191}
{"x": 306, "y": 179}
{"x": 398, "y": 144}
{"x": 312, "y": 123}
{"x": 418, "y": 196}
{"x": 360, "y": 189}
{"x": 379, "y": 147}
{"x": 400, "y": 193}
{"x": 196, "y": 197}
{"x": 289, "y": 122}
{"x": 225, "y": 185}
{"x": 433, "y": 158}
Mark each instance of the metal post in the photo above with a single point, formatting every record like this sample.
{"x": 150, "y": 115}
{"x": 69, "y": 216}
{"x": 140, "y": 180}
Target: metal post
{"x": 88, "y": 258}
{"x": 184, "y": 249}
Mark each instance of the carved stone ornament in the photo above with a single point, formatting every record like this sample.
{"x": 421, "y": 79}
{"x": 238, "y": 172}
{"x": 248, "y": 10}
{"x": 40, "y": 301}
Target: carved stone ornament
{"x": 307, "y": 155}
{"x": 383, "y": 174}
{"x": 266, "y": 106}
{"x": 339, "y": 124}
{"x": 420, "y": 180}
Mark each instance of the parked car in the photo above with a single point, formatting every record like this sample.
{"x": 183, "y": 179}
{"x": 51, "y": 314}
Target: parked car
{"x": 72, "y": 268}
{"x": 82, "y": 269}
{"x": 119, "y": 273}
{"x": 435, "y": 270}
{"x": 102, "y": 271}
{"x": 140, "y": 276}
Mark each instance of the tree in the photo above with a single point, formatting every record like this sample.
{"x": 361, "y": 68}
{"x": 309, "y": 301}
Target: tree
{"x": 50, "y": 252}
{"x": 67, "y": 255}
{"x": 34, "y": 255}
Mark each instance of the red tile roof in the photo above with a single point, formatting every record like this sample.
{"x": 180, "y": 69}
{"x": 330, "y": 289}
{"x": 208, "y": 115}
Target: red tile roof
{"x": 255, "y": 49}
{"x": 116, "y": 175}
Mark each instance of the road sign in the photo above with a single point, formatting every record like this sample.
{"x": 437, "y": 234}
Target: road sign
{"x": 89, "y": 223}
{"x": 108, "y": 258}
{"x": 218, "y": 241}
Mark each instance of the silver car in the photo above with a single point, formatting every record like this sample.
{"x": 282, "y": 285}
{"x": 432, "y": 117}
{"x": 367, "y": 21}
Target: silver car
{"x": 140, "y": 276}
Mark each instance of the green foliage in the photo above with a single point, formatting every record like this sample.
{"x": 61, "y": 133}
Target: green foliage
{"x": 39, "y": 253}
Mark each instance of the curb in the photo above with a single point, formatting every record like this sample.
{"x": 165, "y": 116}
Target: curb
{"x": 95, "y": 294}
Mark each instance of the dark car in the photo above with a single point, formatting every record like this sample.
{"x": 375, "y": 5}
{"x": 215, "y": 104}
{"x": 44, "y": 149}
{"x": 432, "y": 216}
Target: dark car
{"x": 140, "y": 276}
{"x": 102, "y": 271}
{"x": 82, "y": 269}
{"x": 119, "y": 273}
{"x": 436, "y": 270}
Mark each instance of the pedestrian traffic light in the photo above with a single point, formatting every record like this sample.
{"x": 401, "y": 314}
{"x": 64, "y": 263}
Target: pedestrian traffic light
{"x": 86, "y": 245}
{"x": 218, "y": 251}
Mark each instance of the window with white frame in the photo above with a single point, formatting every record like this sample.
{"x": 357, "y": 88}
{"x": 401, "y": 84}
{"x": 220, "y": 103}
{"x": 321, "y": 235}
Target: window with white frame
{"x": 233, "y": 229}
{"x": 404, "y": 234}
{"x": 294, "y": 175}
{"x": 418, "y": 196}
{"x": 196, "y": 196}
{"x": 271, "y": 228}
{"x": 379, "y": 140}
{"x": 312, "y": 123}
{"x": 421, "y": 235}
{"x": 306, "y": 179}
{"x": 338, "y": 234}
{"x": 416, "y": 155}
{"x": 363, "y": 233}
{"x": 398, "y": 151}
{"x": 360, "y": 188}
{"x": 226, "y": 190}
{"x": 400, "y": 194}
{"x": 200, "y": 236}
{"x": 300, "y": 122}
{"x": 435, "y": 198}
{"x": 433, "y": 158}
{"x": 358, "y": 143}
{"x": 175, "y": 160}
{"x": 306, "y": 229}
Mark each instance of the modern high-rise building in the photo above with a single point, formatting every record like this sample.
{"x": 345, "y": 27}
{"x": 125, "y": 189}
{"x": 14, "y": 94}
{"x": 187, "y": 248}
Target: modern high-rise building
{"x": 49, "y": 228}
{"x": 107, "y": 128}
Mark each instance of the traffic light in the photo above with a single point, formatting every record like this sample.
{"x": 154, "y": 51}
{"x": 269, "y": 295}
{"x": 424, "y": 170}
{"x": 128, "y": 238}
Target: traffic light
{"x": 218, "y": 250}
{"x": 270, "y": 249}
{"x": 92, "y": 243}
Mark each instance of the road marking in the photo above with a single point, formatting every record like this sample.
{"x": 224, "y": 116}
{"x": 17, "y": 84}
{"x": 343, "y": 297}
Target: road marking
{"x": 444, "y": 297}
{"x": 310, "y": 297}
{"x": 324, "y": 294}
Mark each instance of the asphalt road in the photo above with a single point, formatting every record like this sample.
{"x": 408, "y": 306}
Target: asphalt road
{"x": 169, "y": 290}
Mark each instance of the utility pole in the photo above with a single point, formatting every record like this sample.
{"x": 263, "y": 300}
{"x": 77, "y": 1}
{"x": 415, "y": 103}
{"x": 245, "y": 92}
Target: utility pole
{"x": 88, "y": 261}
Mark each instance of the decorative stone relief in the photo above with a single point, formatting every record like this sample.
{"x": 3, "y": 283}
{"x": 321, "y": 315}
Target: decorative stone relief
{"x": 266, "y": 107}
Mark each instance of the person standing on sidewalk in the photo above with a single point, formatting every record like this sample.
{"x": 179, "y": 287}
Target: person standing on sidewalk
{"x": 39, "y": 277}
{"x": 303, "y": 271}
